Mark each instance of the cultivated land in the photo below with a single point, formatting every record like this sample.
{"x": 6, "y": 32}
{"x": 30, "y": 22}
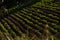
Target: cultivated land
{"x": 39, "y": 21}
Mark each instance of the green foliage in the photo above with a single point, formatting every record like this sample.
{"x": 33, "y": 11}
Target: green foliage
{"x": 32, "y": 19}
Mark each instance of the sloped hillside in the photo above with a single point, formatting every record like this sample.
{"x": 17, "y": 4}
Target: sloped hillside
{"x": 39, "y": 21}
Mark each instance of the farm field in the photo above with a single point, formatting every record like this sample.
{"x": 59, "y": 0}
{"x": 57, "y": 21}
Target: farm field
{"x": 38, "y": 21}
